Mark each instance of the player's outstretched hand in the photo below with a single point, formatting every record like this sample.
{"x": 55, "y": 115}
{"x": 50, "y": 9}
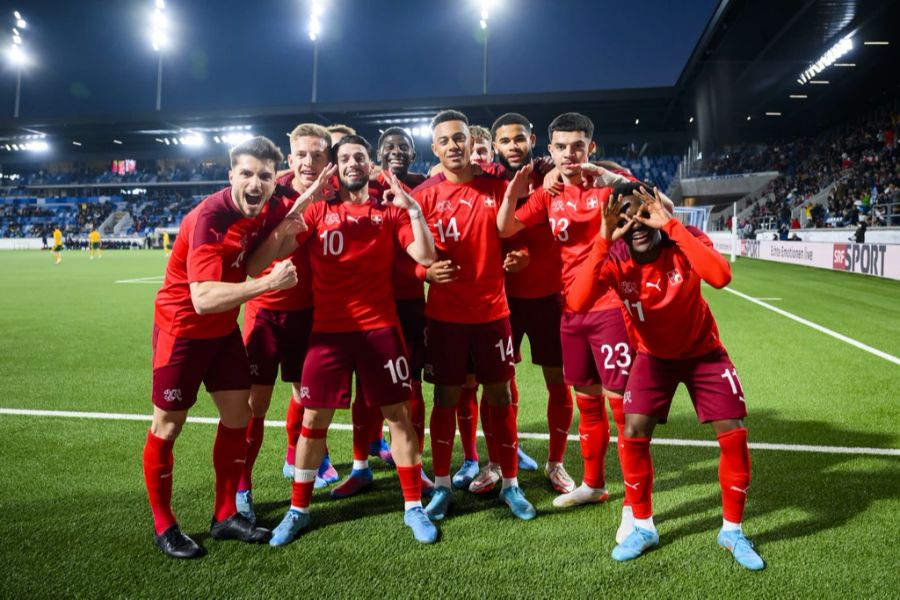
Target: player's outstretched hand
{"x": 553, "y": 182}
{"x": 599, "y": 177}
{"x": 283, "y": 275}
{"x": 395, "y": 194}
{"x": 516, "y": 260}
{"x": 615, "y": 223}
{"x": 442, "y": 271}
{"x": 319, "y": 190}
{"x": 519, "y": 185}
{"x": 652, "y": 212}
{"x": 543, "y": 165}
{"x": 292, "y": 224}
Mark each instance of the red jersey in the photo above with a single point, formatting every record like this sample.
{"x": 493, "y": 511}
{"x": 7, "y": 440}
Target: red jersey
{"x": 213, "y": 244}
{"x": 543, "y": 275}
{"x": 666, "y": 315}
{"x": 463, "y": 220}
{"x": 573, "y": 218}
{"x": 403, "y": 276}
{"x": 351, "y": 251}
{"x": 300, "y": 296}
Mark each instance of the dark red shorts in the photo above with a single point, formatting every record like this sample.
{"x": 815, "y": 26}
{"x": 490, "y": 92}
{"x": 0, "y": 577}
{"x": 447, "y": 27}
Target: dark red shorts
{"x": 711, "y": 381}
{"x": 539, "y": 319}
{"x": 180, "y": 365}
{"x": 412, "y": 323}
{"x": 378, "y": 357}
{"x": 276, "y": 338}
{"x": 596, "y": 349}
{"x": 449, "y": 347}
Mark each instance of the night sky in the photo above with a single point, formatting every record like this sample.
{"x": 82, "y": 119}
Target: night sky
{"x": 94, "y": 56}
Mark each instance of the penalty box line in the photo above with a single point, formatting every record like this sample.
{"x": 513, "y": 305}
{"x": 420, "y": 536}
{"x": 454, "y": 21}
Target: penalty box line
{"x": 523, "y": 435}
{"x": 817, "y": 327}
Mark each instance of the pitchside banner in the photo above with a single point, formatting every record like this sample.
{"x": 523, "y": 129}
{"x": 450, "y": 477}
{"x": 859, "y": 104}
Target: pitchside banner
{"x": 878, "y": 260}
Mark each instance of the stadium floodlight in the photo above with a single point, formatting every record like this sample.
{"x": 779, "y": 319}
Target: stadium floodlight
{"x": 17, "y": 56}
{"x": 314, "y": 30}
{"x": 76, "y": 143}
{"x": 160, "y": 28}
{"x": 193, "y": 140}
{"x": 844, "y": 46}
{"x": 485, "y": 7}
{"x": 798, "y": 96}
{"x": 773, "y": 114}
{"x": 117, "y": 142}
{"x": 691, "y": 120}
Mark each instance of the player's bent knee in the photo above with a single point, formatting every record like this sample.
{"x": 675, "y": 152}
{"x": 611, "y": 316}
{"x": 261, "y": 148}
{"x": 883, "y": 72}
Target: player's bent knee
{"x": 234, "y": 407}
{"x": 260, "y": 399}
{"x": 497, "y": 394}
{"x": 446, "y": 396}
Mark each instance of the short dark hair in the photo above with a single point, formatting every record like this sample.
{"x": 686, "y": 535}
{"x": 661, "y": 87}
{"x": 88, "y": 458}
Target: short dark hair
{"x": 510, "y": 119}
{"x": 448, "y": 115}
{"x": 571, "y": 121}
{"x": 352, "y": 139}
{"x": 341, "y": 128}
{"x": 396, "y": 131}
{"x": 628, "y": 189}
{"x": 258, "y": 147}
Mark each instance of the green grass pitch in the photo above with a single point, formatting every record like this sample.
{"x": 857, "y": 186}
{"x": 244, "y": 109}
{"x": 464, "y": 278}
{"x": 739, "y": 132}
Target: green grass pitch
{"x": 75, "y": 521}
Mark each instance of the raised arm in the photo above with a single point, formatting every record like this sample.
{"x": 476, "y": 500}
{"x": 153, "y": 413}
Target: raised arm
{"x": 211, "y": 297}
{"x": 507, "y": 223}
{"x": 421, "y": 249}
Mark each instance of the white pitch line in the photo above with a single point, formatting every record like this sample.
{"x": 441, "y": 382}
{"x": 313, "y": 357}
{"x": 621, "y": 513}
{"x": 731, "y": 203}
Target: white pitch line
{"x": 817, "y": 327}
{"x": 528, "y": 436}
{"x": 154, "y": 279}
{"x": 770, "y": 299}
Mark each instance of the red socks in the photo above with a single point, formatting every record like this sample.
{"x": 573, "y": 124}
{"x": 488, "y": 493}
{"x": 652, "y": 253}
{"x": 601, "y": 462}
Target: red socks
{"x": 467, "y": 416}
{"x": 503, "y": 428}
{"x": 361, "y": 419}
{"x": 637, "y": 471}
{"x": 734, "y": 473}
{"x": 443, "y": 432}
{"x": 301, "y": 493}
{"x": 411, "y": 482}
{"x": 229, "y": 454}
{"x": 559, "y": 420}
{"x": 593, "y": 431}
{"x": 616, "y": 403}
{"x": 255, "y": 429}
{"x": 417, "y": 413}
{"x": 294, "y": 422}
{"x": 158, "y": 461}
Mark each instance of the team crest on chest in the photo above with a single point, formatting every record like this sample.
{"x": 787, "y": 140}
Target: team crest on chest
{"x": 332, "y": 218}
{"x": 674, "y": 277}
{"x": 630, "y": 288}
{"x": 558, "y": 206}
{"x": 592, "y": 203}
{"x": 376, "y": 220}
{"x": 444, "y": 206}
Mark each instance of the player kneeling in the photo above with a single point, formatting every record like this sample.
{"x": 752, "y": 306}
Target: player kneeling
{"x": 352, "y": 239}
{"x": 657, "y": 274}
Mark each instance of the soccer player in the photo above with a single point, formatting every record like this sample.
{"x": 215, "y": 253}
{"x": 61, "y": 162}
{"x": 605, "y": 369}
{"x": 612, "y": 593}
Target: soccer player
{"x": 482, "y": 145}
{"x": 166, "y": 243}
{"x": 657, "y": 275}
{"x": 355, "y": 328}
{"x": 338, "y": 131}
{"x": 236, "y": 231}
{"x": 277, "y": 324}
{"x": 57, "y": 245}
{"x": 596, "y": 350}
{"x": 468, "y": 315}
{"x": 94, "y": 243}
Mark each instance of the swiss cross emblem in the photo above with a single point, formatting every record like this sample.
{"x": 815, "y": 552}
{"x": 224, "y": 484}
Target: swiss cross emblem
{"x": 489, "y": 202}
{"x": 332, "y": 218}
{"x": 376, "y": 219}
{"x": 674, "y": 277}
{"x": 592, "y": 203}
{"x": 444, "y": 205}
{"x": 558, "y": 206}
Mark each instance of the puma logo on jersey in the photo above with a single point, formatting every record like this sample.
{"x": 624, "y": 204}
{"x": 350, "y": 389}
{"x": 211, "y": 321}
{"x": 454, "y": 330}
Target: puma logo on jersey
{"x": 445, "y": 442}
{"x": 654, "y": 285}
{"x": 353, "y": 219}
{"x": 466, "y": 202}
{"x": 633, "y": 486}
{"x": 216, "y": 234}
{"x": 574, "y": 205}
{"x": 513, "y": 445}
{"x": 166, "y": 475}
{"x": 584, "y": 436}
{"x": 737, "y": 489}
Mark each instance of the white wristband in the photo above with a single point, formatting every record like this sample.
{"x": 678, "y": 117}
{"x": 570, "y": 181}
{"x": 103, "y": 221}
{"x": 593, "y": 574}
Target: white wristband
{"x": 414, "y": 212}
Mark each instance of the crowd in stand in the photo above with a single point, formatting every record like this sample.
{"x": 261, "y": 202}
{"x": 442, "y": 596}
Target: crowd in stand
{"x": 143, "y": 173}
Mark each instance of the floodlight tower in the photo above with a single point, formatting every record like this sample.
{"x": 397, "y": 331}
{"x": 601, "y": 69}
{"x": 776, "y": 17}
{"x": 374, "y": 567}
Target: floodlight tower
{"x": 485, "y": 15}
{"x": 159, "y": 39}
{"x": 314, "y": 29}
{"x": 17, "y": 55}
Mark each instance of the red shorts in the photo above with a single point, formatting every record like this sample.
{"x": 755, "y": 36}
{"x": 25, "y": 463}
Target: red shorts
{"x": 539, "y": 319}
{"x": 412, "y": 322}
{"x": 711, "y": 380}
{"x": 449, "y": 347}
{"x": 181, "y": 364}
{"x": 596, "y": 349}
{"x": 273, "y": 338}
{"x": 378, "y": 357}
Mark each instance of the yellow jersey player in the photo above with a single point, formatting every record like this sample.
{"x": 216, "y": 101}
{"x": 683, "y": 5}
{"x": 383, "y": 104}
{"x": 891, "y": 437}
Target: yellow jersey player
{"x": 57, "y": 245}
{"x": 94, "y": 243}
{"x": 166, "y": 242}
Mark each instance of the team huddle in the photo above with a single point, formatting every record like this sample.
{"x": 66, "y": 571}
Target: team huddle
{"x": 331, "y": 259}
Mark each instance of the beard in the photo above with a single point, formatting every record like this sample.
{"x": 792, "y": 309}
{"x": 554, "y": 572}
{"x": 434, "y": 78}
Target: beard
{"x": 354, "y": 186}
{"x": 525, "y": 160}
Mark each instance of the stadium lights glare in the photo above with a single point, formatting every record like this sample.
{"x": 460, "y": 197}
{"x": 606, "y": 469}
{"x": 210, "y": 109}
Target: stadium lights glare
{"x": 773, "y": 114}
{"x": 118, "y": 142}
{"x": 637, "y": 121}
{"x": 691, "y": 120}
{"x": 76, "y": 143}
{"x": 818, "y": 82}
{"x": 798, "y": 96}
{"x": 876, "y": 43}
{"x": 233, "y": 139}
{"x": 193, "y": 140}
{"x": 314, "y": 26}
{"x": 159, "y": 27}
{"x": 749, "y": 117}
{"x": 835, "y": 52}
{"x": 844, "y": 65}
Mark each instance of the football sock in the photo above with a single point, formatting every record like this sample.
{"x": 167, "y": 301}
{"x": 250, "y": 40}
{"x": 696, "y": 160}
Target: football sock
{"x": 616, "y": 404}
{"x": 255, "y": 429}
{"x": 229, "y": 454}
{"x": 158, "y": 463}
{"x": 443, "y": 431}
{"x": 361, "y": 423}
{"x": 489, "y": 440}
{"x": 559, "y": 420}
{"x": 734, "y": 473}
{"x": 417, "y": 413}
{"x": 503, "y": 427}
{"x": 302, "y": 489}
{"x": 360, "y": 464}
{"x": 294, "y": 423}
{"x": 508, "y": 482}
{"x": 593, "y": 433}
{"x": 411, "y": 484}
{"x": 467, "y": 417}
{"x": 637, "y": 473}
{"x": 645, "y": 523}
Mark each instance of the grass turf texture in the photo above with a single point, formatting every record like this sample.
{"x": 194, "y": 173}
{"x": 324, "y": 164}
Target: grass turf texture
{"x": 76, "y": 521}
